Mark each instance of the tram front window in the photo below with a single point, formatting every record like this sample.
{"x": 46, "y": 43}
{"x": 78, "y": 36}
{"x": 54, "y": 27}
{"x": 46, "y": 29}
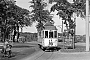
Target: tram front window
{"x": 55, "y": 34}
{"x": 46, "y": 34}
{"x": 50, "y": 34}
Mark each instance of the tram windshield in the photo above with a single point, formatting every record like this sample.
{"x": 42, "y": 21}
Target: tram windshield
{"x": 51, "y": 34}
{"x": 55, "y": 34}
{"x": 46, "y": 34}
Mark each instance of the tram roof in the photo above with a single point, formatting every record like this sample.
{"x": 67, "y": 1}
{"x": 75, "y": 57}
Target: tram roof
{"x": 49, "y": 26}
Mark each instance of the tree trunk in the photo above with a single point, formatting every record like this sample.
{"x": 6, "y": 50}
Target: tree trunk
{"x": 14, "y": 34}
{"x": 17, "y": 33}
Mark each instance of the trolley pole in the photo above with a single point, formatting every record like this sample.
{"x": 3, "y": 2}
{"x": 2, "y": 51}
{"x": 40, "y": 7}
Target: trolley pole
{"x": 74, "y": 34}
{"x": 87, "y": 25}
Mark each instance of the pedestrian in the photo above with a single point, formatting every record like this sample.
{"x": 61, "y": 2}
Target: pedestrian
{"x": 4, "y": 48}
{"x": 7, "y": 49}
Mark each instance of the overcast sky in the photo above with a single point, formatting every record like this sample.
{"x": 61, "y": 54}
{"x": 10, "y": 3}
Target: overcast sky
{"x": 80, "y": 24}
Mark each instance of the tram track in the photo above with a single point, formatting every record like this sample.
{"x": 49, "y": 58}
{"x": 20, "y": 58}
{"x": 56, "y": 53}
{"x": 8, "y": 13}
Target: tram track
{"x": 43, "y": 54}
{"x": 50, "y": 56}
{"x": 40, "y": 56}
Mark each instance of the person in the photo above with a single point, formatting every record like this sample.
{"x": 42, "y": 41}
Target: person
{"x": 6, "y": 48}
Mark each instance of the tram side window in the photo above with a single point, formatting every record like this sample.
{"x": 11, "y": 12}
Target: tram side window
{"x": 43, "y": 34}
{"x": 50, "y": 34}
{"x": 46, "y": 34}
{"x": 55, "y": 34}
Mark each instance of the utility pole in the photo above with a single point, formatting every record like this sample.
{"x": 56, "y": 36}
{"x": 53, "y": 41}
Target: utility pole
{"x": 74, "y": 37}
{"x": 87, "y": 25}
{"x": 62, "y": 27}
{"x": 74, "y": 34}
{"x": 63, "y": 36}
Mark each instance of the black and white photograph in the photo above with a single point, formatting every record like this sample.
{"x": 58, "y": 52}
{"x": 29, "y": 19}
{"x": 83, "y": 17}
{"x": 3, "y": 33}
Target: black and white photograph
{"x": 44, "y": 29}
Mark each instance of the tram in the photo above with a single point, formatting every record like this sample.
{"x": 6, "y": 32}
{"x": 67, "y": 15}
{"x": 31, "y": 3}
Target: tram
{"x": 48, "y": 38}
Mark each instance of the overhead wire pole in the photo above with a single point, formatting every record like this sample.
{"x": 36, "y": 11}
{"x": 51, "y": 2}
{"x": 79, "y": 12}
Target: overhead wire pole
{"x": 63, "y": 36}
{"x": 74, "y": 16}
{"x": 74, "y": 37}
{"x": 87, "y": 25}
{"x": 74, "y": 32}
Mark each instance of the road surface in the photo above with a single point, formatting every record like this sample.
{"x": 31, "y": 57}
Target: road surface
{"x": 26, "y": 51}
{"x": 57, "y": 55}
{"x": 21, "y": 50}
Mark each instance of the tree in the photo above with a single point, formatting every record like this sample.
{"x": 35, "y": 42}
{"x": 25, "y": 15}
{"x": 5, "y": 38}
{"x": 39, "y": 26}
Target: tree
{"x": 65, "y": 11}
{"x": 39, "y": 14}
{"x": 12, "y": 17}
{"x": 21, "y": 18}
{"x": 4, "y": 6}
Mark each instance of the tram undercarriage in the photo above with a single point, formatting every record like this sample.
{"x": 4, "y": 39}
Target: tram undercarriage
{"x": 49, "y": 47}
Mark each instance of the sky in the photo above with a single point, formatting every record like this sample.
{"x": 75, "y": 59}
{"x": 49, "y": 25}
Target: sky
{"x": 80, "y": 23}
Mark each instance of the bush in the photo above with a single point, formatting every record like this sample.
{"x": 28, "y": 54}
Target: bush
{"x": 29, "y": 36}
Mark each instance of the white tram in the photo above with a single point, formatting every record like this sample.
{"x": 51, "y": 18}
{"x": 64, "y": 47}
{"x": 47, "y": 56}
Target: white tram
{"x": 47, "y": 38}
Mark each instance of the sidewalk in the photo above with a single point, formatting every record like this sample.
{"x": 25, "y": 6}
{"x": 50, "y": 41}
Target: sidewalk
{"x": 79, "y": 53}
{"x": 79, "y": 47}
{"x": 72, "y": 56}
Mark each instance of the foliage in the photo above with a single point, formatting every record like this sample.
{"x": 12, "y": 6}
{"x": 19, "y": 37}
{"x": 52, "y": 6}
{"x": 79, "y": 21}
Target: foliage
{"x": 29, "y": 36}
{"x": 12, "y": 17}
{"x": 39, "y": 14}
{"x": 66, "y": 9}
{"x": 79, "y": 7}
{"x": 21, "y": 16}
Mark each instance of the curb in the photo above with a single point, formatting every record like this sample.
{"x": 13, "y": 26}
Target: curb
{"x": 59, "y": 52}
